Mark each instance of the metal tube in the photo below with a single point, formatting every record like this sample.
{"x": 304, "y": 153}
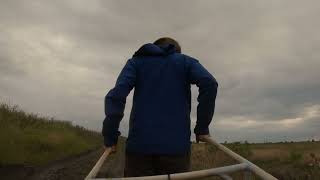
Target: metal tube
{"x": 93, "y": 173}
{"x": 189, "y": 175}
{"x": 209, "y": 172}
{"x": 254, "y": 168}
{"x": 245, "y": 165}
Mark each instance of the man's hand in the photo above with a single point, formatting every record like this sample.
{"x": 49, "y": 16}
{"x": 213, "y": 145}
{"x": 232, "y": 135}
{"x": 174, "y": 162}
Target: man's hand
{"x": 113, "y": 148}
{"x": 201, "y": 138}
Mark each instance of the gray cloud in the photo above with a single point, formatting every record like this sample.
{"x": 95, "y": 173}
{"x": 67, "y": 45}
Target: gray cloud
{"x": 60, "y": 58}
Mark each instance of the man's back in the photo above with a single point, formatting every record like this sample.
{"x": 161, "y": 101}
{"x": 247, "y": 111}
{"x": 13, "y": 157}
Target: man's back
{"x": 160, "y": 115}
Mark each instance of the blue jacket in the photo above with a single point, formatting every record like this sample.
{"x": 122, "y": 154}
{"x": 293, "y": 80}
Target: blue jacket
{"x": 160, "y": 115}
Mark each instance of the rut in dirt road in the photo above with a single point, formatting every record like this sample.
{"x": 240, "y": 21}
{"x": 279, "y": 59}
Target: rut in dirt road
{"x": 79, "y": 167}
{"x": 70, "y": 168}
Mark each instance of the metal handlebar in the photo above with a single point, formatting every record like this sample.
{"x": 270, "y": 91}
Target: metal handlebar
{"x": 220, "y": 171}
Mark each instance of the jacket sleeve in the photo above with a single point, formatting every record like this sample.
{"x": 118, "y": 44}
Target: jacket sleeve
{"x": 208, "y": 86}
{"x": 115, "y": 102}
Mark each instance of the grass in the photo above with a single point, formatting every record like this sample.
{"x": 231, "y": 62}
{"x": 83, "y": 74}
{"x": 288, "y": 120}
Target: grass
{"x": 27, "y": 138}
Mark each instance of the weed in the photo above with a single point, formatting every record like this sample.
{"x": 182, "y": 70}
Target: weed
{"x": 295, "y": 156}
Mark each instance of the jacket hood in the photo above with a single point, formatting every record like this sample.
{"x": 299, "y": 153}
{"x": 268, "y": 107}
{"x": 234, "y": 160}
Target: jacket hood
{"x": 154, "y": 50}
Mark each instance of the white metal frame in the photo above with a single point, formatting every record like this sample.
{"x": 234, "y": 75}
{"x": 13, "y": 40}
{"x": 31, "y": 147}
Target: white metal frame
{"x": 244, "y": 165}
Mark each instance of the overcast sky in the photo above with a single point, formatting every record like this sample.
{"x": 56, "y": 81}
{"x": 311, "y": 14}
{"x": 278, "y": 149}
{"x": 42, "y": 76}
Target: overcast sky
{"x": 60, "y": 58}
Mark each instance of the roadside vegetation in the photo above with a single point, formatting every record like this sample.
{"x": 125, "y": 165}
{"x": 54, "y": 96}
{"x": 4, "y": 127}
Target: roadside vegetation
{"x": 284, "y": 160}
{"x": 29, "y": 139}
{"x": 287, "y": 160}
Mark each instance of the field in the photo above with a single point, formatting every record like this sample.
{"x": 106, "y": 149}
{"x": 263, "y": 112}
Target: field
{"x": 291, "y": 160}
{"x": 58, "y": 150}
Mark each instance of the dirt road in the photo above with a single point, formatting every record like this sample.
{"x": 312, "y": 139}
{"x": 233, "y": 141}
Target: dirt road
{"x": 75, "y": 167}
{"x": 71, "y": 168}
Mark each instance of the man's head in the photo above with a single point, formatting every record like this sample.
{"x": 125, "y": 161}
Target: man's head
{"x": 166, "y": 40}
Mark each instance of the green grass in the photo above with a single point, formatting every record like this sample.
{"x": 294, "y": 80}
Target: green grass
{"x": 30, "y": 139}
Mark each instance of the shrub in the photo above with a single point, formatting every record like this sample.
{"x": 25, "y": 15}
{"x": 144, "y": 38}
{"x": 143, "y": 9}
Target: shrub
{"x": 295, "y": 156}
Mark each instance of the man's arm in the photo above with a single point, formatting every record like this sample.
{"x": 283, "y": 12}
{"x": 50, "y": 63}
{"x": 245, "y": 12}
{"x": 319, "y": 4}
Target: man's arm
{"x": 115, "y": 102}
{"x": 208, "y": 86}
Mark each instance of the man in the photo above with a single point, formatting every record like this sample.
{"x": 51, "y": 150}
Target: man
{"x": 159, "y": 126}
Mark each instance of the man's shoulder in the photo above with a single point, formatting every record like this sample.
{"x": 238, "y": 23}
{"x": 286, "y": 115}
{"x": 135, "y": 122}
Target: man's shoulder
{"x": 190, "y": 58}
